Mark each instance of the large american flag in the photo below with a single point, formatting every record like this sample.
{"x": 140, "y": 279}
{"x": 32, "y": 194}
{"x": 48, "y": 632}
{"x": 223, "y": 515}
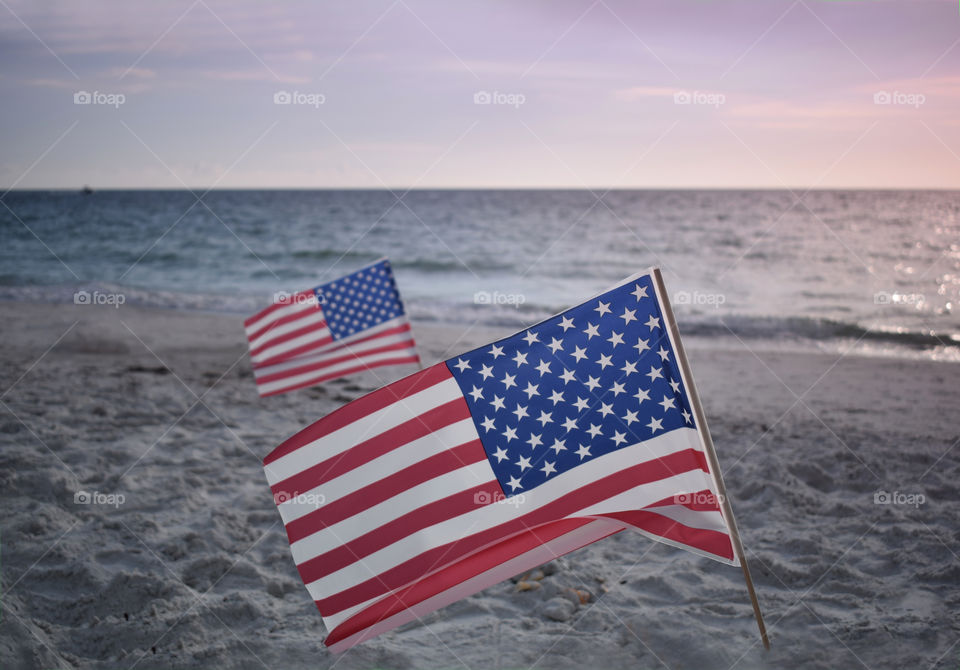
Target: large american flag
{"x": 348, "y": 325}
{"x": 493, "y": 462}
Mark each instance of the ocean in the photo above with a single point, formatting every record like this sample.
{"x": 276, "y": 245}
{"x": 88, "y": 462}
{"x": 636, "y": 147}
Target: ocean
{"x": 877, "y": 272}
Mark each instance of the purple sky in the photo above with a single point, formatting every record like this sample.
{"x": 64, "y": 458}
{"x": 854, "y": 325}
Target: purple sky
{"x": 581, "y": 94}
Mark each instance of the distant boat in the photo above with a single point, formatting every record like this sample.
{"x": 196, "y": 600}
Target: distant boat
{"x": 86, "y": 190}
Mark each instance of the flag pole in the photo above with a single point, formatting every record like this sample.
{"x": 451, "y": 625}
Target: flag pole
{"x": 710, "y": 451}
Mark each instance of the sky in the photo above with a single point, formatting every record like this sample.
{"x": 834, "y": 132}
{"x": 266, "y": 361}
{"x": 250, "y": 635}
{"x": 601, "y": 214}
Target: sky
{"x": 515, "y": 94}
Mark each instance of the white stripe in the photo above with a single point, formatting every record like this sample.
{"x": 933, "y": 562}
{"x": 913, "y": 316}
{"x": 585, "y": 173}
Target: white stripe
{"x": 492, "y": 515}
{"x": 368, "y": 360}
{"x": 393, "y": 461}
{"x": 286, "y": 310}
{"x": 548, "y": 551}
{"x": 362, "y": 429}
{"x": 372, "y": 518}
{"x": 703, "y": 519}
{"x": 318, "y": 335}
{"x": 326, "y": 353}
{"x": 310, "y": 318}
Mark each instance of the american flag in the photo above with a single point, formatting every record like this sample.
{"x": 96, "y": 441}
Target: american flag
{"x": 348, "y": 325}
{"x": 491, "y": 463}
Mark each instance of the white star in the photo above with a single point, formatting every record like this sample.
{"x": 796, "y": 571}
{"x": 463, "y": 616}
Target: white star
{"x": 581, "y": 403}
{"x": 548, "y": 468}
{"x": 591, "y": 330}
{"x": 642, "y": 395}
{"x": 558, "y": 446}
{"x": 617, "y": 389}
{"x": 543, "y": 368}
{"x": 530, "y": 337}
{"x": 686, "y": 415}
{"x": 508, "y": 380}
{"x": 488, "y": 424}
{"x": 534, "y": 441}
{"x": 667, "y": 403}
{"x": 630, "y": 417}
{"x": 639, "y": 292}
{"x": 486, "y": 371}
{"x": 520, "y": 411}
{"x": 664, "y": 354}
{"x": 594, "y": 430}
{"x": 523, "y": 463}
{"x": 496, "y": 351}
{"x": 567, "y": 376}
{"x": 675, "y": 385}
{"x": 604, "y": 361}
{"x": 652, "y": 322}
{"x": 531, "y": 390}
{"x": 655, "y": 373}
{"x": 514, "y": 483}
{"x": 520, "y": 359}
{"x": 566, "y": 323}
{"x": 629, "y": 368}
{"x": 500, "y": 454}
{"x": 592, "y": 383}
{"x": 619, "y": 437}
{"x": 462, "y": 364}
{"x": 556, "y": 397}
{"x": 570, "y": 424}
{"x": 655, "y": 425}
{"x": 497, "y": 402}
{"x": 584, "y": 450}
{"x": 602, "y": 307}
{"x": 628, "y": 315}
{"x": 579, "y": 353}
{"x": 476, "y": 393}
{"x": 555, "y": 345}
{"x": 615, "y": 338}
{"x": 641, "y": 345}
{"x": 545, "y": 418}
{"x": 605, "y": 409}
{"x": 510, "y": 434}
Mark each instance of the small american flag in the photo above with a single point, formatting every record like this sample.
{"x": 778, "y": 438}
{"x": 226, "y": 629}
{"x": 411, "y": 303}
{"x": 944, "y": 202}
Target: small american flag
{"x": 491, "y": 463}
{"x": 348, "y": 325}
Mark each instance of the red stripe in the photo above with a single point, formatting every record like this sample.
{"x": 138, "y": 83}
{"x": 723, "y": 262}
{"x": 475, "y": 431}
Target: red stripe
{"x": 594, "y": 492}
{"x": 360, "y": 407}
{"x": 343, "y": 373}
{"x": 278, "y": 305}
{"x": 296, "y": 351}
{"x": 286, "y": 337}
{"x": 327, "y": 362}
{"x": 375, "y": 447}
{"x": 711, "y": 541}
{"x": 282, "y": 321}
{"x": 373, "y": 494}
{"x": 454, "y": 574}
{"x": 436, "y": 512}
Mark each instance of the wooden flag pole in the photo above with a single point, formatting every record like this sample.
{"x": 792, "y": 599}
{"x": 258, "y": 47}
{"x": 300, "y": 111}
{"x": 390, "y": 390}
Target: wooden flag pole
{"x": 710, "y": 451}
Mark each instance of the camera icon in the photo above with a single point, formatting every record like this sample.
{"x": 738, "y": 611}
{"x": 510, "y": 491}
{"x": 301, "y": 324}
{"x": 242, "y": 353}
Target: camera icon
{"x": 682, "y": 297}
{"x": 81, "y": 498}
{"x": 81, "y": 298}
{"x": 282, "y": 298}
{"x": 482, "y": 498}
{"x": 482, "y": 98}
{"x": 282, "y": 98}
{"x": 82, "y": 98}
{"x": 682, "y": 499}
{"x": 882, "y": 298}
{"x": 881, "y": 498}
{"x": 681, "y": 98}
{"x": 482, "y": 298}
{"x": 882, "y": 98}
{"x": 280, "y": 497}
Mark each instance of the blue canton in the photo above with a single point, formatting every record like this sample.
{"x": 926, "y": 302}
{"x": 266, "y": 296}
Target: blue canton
{"x": 360, "y": 300}
{"x": 597, "y": 378}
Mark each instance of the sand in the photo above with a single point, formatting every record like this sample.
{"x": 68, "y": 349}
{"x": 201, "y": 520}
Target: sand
{"x": 178, "y": 558}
